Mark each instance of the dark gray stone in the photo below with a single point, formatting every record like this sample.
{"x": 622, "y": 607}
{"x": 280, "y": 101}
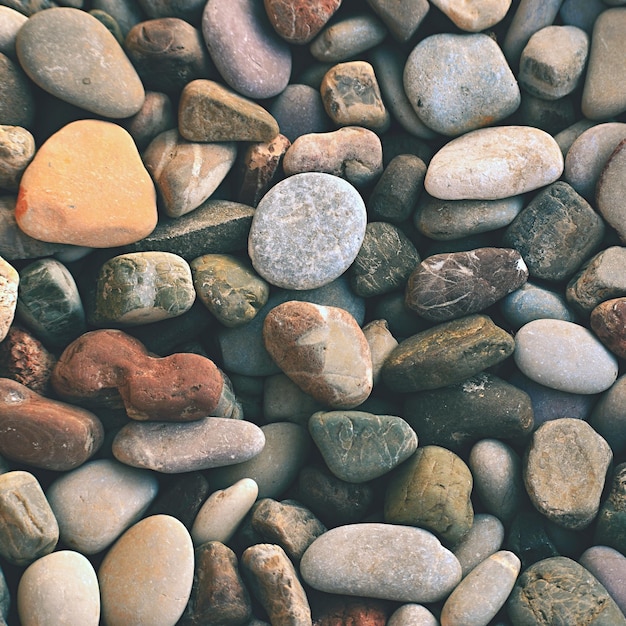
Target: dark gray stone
{"x": 17, "y": 100}
{"x": 608, "y": 416}
{"x": 611, "y": 522}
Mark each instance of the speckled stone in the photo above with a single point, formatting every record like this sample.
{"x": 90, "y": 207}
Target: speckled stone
{"x": 299, "y": 22}
{"x": 147, "y": 575}
{"x": 208, "y": 111}
{"x": 95, "y": 503}
{"x": 261, "y": 68}
{"x": 359, "y": 446}
{"x": 354, "y": 560}
{"x": 401, "y": 18}
{"x": 64, "y": 585}
{"x": 564, "y": 471}
{"x": 323, "y": 350}
{"x": 564, "y": 356}
{"x": 17, "y": 102}
{"x": 432, "y": 490}
{"x": 611, "y": 188}
{"x": 198, "y": 445}
{"x": 609, "y": 567}
{"x": 610, "y": 527}
{"x": 352, "y": 152}
{"x": 458, "y": 83}
{"x": 494, "y": 163}
{"x": 60, "y": 45}
{"x": 299, "y": 110}
{"x": 447, "y": 353}
{"x": 28, "y": 528}
{"x": 186, "y": 173}
{"x": 322, "y": 225}
{"x": 17, "y": 148}
{"x": 561, "y": 590}
{"x": 603, "y": 96}
{"x": 447, "y": 286}
{"x": 483, "y": 539}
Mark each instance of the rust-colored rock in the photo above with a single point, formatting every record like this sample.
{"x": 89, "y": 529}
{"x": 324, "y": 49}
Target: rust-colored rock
{"x": 87, "y": 186}
{"x": 45, "y": 433}
{"x": 299, "y": 21}
{"x": 110, "y": 368}
{"x": 345, "y": 610}
{"x": 607, "y": 322}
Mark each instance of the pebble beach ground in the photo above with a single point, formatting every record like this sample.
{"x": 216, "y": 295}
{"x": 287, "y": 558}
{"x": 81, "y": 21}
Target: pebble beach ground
{"x": 312, "y": 312}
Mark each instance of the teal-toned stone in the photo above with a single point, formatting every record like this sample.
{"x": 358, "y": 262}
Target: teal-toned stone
{"x": 49, "y": 302}
{"x": 229, "y": 288}
{"x": 359, "y": 446}
{"x": 142, "y": 287}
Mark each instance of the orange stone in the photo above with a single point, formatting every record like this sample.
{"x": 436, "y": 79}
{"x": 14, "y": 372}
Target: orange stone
{"x": 87, "y": 186}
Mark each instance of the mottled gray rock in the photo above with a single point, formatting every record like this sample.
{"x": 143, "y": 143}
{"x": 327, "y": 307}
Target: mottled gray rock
{"x": 284, "y": 401}
{"x": 306, "y": 231}
{"x": 611, "y": 522}
{"x": 458, "y": 83}
{"x": 609, "y": 567}
{"x": 17, "y": 148}
{"x": 10, "y": 23}
{"x": 354, "y": 560}
{"x": 17, "y": 105}
{"x": 611, "y": 188}
{"x": 608, "y": 417}
{"x": 581, "y": 13}
{"x": 483, "y": 539}
{"x": 402, "y": 19}
{"x": 476, "y": 16}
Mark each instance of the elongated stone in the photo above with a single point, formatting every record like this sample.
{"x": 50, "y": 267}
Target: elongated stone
{"x": 402, "y": 19}
{"x": 611, "y": 187}
{"x": 354, "y": 560}
{"x": 483, "y": 539}
{"x": 381, "y": 342}
{"x": 609, "y": 567}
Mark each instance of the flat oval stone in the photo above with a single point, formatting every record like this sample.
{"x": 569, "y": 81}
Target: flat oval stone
{"x": 432, "y": 490}
{"x": 186, "y": 173}
{"x": 148, "y": 573}
{"x": 564, "y": 471}
{"x": 28, "y": 528}
{"x": 43, "y": 432}
{"x": 17, "y": 149}
{"x": 611, "y": 520}
{"x": 261, "y": 68}
{"x": 564, "y": 590}
{"x": 564, "y": 356}
{"x": 458, "y": 83}
{"x": 142, "y": 287}
{"x": 611, "y": 187}
{"x": 609, "y": 567}
{"x": 359, "y": 446}
{"x": 474, "y": 17}
{"x": 73, "y": 56}
{"x": 603, "y": 97}
{"x": 95, "y": 503}
{"x": 494, "y": 163}
{"x": 354, "y": 560}
{"x": 482, "y": 593}
{"x": 483, "y": 539}
{"x": 321, "y": 222}
{"x": 198, "y": 445}
{"x": 446, "y": 286}
{"x": 61, "y": 200}
{"x": 299, "y": 22}
{"x": 323, "y": 350}
{"x": 447, "y": 353}
{"x": 556, "y": 217}
{"x": 47, "y": 585}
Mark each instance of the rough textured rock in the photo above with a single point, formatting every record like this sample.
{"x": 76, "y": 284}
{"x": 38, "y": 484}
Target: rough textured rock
{"x": 354, "y": 560}
{"x": 611, "y": 523}
{"x": 17, "y": 148}
{"x": 299, "y": 22}
{"x": 73, "y": 56}
{"x": 432, "y": 490}
{"x": 9, "y": 282}
{"x": 611, "y": 188}
{"x": 18, "y": 106}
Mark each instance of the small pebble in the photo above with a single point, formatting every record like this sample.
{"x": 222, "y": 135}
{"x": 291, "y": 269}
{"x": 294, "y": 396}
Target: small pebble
{"x": 299, "y": 22}
{"x": 482, "y": 15}
{"x": 17, "y": 101}
{"x": 381, "y": 342}
{"x": 608, "y": 415}
{"x": 606, "y": 321}
{"x": 412, "y": 615}
{"x": 402, "y": 19}
{"x": 483, "y": 539}
{"x": 299, "y": 110}
{"x": 9, "y": 285}
{"x": 611, "y": 187}
{"x": 155, "y": 116}
{"x": 17, "y": 148}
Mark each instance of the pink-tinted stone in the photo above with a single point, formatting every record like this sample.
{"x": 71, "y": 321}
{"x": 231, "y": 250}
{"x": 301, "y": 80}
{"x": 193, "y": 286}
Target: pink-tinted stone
{"x": 298, "y": 22}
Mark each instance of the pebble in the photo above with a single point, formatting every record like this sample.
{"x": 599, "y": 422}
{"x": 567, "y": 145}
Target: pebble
{"x": 557, "y": 216}
{"x": 186, "y": 173}
{"x": 223, "y": 511}
{"x": 155, "y": 116}
{"x": 28, "y": 529}
{"x": 483, "y": 539}
{"x": 447, "y": 353}
{"x": 95, "y": 503}
{"x": 551, "y": 116}
{"x": 59, "y": 46}
{"x": 299, "y": 22}
{"x": 402, "y": 19}
{"x": 323, "y": 350}
{"x": 182, "y": 499}
{"x": 610, "y": 523}
{"x": 564, "y": 471}
{"x": 609, "y": 567}
{"x": 381, "y": 343}
{"x": 126, "y": 14}
{"x": 322, "y": 220}
{"x": 602, "y": 97}
{"x": 62, "y": 586}
{"x": 466, "y": 72}
{"x": 17, "y": 104}
{"x": 10, "y": 23}
{"x": 9, "y": 285}
{"x": 353, "y": 559}
{"x": 351, "y": 152}
{"x": 481, "y": 15}
{"x": 553, "y": 61}
{"x": 606, "y": 322}
{"x": 610, "y": 188}
{"x": 210, "y": 112}
{"x": 43, "y": 432}
{"x": 359, "y": 446}
{"x": 607, "y": 416}
{"x": 494, "y": 163}
{"x": 284, "y": 401}
{"x": 147, "y": 575}
{"x": 261, "y": 68}
{"x": 453, "y": 285}
{"x": 275, "y": 583}
{"x": 412, "y": 615}
{"x": 482, "y": 593}
{"x": 17, "y": 148}
{"x": 565, "y": 591}
{"x": 581, "y": 14}
{"x": 69, "y": 159}
{"x": 175, "y": 447}
{"x": 564, "y": 356}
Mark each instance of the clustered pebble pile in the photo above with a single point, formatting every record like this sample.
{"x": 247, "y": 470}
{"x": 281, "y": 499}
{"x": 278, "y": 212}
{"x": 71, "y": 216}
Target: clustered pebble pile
{"x": 312, "y": 312}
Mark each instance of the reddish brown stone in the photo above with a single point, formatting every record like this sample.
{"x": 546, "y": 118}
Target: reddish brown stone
{"x": 608, "y": 321}
{"x": 45, "y": 433}
{"x": 24, "y": 359}
{"x": 111, "y": 368}
{"x": 347, "y": 611}
{"x": 298, "y": 21}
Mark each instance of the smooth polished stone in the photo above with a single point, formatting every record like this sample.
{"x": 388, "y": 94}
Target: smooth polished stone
{"x": 9, "y": 286}
{"x": 609, "y": 567}
{"x": 401, "y": 18}
{"x": 299, "y": 22}
{"x": 11, "y": 21}
{"x": 611, "y": 188}
{"x": 483, "y": 539}
{"x": 476, "y": 16}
